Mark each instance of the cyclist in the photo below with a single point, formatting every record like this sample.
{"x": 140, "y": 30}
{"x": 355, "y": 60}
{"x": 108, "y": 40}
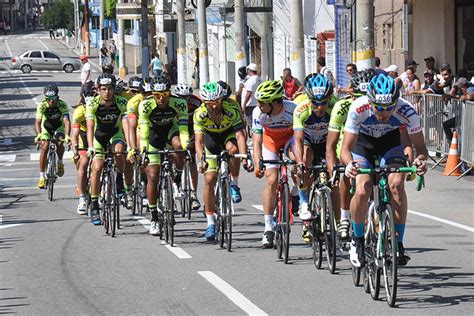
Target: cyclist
{"x": 272, "y": 132}
{"x": 163, "y": 123}
{"x": 52, "y": 120}
{"x": 79, "y": 148}
{"x": 185, "y": 91}
{"x": 359, "y": 85}
{"x": 372, "y": 130}
{"x": 106, "y": 124}
{"x": 217, "y": 126}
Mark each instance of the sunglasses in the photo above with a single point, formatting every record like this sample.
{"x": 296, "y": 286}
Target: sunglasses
{"x": 163, "y": 94}
{"x": 52, "y": 98}
{"x": 213, "y": 102}
{"x": 381, "y": 108}
{"x": 319, "y": 103}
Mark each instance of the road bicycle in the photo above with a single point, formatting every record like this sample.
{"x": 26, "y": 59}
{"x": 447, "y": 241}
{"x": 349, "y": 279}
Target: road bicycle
{"x": 322, "y": 227}
{"x": 284, "y": 212}
{"x": 109, "y": 200}
{"x": 138, "y": 188}
{"x": 51, "y": 166}
{"x": 381, "y": 247}
{"x": 187, "y": 186}
{"x": 224, "y": 206}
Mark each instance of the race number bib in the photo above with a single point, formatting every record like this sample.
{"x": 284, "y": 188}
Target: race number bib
{"x": 318, "y": 90}
{"x": 364, "y": 86}
{"x": 383, "y": 98}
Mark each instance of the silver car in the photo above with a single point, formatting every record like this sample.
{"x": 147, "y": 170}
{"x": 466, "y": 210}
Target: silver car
{"x": 44, "y": 60}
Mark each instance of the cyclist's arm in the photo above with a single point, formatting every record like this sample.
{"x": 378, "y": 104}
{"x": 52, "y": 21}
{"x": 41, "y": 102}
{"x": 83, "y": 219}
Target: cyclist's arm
{"x": 75, "y": 138}
{"x": 199, "y": 145}
{"x": 39, "y": 118}
{"x": 298, "y": 148}
{"x": 126, "y": 129}
{"x": 257, "y": 147}
{"x": 67, "y": 125}
{"x": 38, "y": 126}
{"x": 132, "y": 131}
{"x": 406, "y": 143}
{"x": 419, "y": 143}
{"x": 300, "y": 115}
{"x": 144, "y": 124}
{"x": 350, "y": 139}
{"x": 183, "y": 118}
{"x": 241, "y": 141}
{"x": 331, "y": 144}
{"x": 90, "y": 132}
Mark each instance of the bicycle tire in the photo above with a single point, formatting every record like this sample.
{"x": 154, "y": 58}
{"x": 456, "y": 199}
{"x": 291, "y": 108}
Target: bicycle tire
{"x": 113, "y": 207}
{"x": 170, "y": 213}
{"x": 389, "y": 255}
{"x": 372, "y": 276}
{"x": 51, "y": 174}
{"x": 189, "y": 192}
{"x": 228, "y": 215}
{"x": 136, "y": 179}
{"x": 356, "y": 275}
{"x": 104, "y": 210}
{"x": 285, "y": 228}
{"x": 329, "y": 233}
{"x": 316, "y": 242}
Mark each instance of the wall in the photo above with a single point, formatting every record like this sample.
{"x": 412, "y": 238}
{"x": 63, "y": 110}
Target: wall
{"x": 433, "y": 31}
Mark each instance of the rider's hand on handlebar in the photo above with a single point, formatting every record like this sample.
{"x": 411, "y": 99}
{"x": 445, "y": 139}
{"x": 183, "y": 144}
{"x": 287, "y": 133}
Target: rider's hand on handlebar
{"x": 420, "y": 164}
{"x": 38, "y": 138}
{"x": 300, "y": 168}
{"x": 90, "y": 152}
{"x": 202, "y": 166}
{"x": 247, "y": 164}
{"x": 351, "y": 169}
{"x": 131, "y": 155}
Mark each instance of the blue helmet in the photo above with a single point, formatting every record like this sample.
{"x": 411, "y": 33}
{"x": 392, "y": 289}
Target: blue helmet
{"x": 383, "y": 90}
{"x": 318, "y": 87}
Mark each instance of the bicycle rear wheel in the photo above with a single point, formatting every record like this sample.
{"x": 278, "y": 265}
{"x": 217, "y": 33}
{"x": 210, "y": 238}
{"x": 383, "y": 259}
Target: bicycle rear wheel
{"x": 329, "y": 233}
{"x": 51, "y": 175}
{"x": 135, "y": 188}
{"x": 285, "y": 223}
{"x": 389, "y": 255}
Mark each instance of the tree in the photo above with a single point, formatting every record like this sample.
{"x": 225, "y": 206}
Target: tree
{"x": 60, "y": 15}
{"x": 110, "y": 8}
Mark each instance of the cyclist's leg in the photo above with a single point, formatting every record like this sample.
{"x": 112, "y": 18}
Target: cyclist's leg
{"x": 178, "y": 159}
{"x": 153, "y": 177}
{"x": 269, "y": 193}
{"x": 59, "y": 136}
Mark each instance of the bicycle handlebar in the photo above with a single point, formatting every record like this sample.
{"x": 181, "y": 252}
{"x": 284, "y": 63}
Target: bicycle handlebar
{"x": 387, "y": 170}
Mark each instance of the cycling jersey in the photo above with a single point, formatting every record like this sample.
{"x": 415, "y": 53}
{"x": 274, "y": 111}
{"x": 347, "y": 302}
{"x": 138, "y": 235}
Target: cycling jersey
{"x": 107, "y": 122}
{"x": 127, "y": 95}
{"x": 79, "y": 118}
{"x": 193, "y": 103}
{"x": 159, "y": 125}
{"x": 304, "y": 119}
{"x": 339, "y": 114}
{"x": 52, "y": 118}
{"x": 362, "y": 119}
{"x": 276, "y": 129}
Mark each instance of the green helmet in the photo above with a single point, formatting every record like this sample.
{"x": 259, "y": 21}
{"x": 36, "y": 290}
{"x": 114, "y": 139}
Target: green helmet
{"x": 269, "y": 91}
{"x": 212, "y": 91}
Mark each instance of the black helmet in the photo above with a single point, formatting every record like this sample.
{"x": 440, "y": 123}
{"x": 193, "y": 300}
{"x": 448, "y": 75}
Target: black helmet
{"x": 242, "y": 72}
{"x": 134, "y": 83}
{"x": 162, "y": 83}
{"x": 106, "y": 79}
{"x": 109, "y": 69}
{"x": 225, "y": 87}
{"x": 120, "y": 86}
{"x": 51, "y": 90}
{"x": 361, "y": 80}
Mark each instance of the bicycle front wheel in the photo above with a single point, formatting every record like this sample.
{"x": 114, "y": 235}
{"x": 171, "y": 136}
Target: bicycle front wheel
{"x": 389, "y": 255}
{"x": 170, "y": 212}
{"x": 316, "y": 243}
{"x": 372, "y": 271}
{"x": 51, "y": 174}
{"x": 227, "y": 213}
{"x": 285, "y": 223}
{"x": 114, "y": 204}
{"x": 329, "y": 232}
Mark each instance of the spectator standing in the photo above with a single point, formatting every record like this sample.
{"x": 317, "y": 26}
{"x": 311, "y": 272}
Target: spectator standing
{"x": 428, "y": 86}
{"x": 323, "y": 70}
{"x": 377, "y": 63}
{"x": 156, "y": 65}
{"x": 112, "y": 52}
{"x": 291, "y": 85}
{"x": 411, "y": 81}
{"x": 104, "y": 52}
{"x": 351, "y": 70}
{"x": 51, "y": 34}
{"x": 86, "y": 75}
{"x": 430, "y": 64}
{"x": 249, "y": 102}
{"x": 411, "y": 63}
{"x": 446, "y": 85}
{"x": 242, "y": 72}
{"x": 392, "y": 71}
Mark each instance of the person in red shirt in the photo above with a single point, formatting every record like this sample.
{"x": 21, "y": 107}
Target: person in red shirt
{"x": 292, "y": 86}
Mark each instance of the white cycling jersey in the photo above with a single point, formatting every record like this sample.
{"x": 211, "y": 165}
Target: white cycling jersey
{"x": 361, "y": 118}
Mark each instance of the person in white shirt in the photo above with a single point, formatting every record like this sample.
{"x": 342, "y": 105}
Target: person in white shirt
{"x": 323, "y": 70}
{"x": 86, "y": 75}
{"x": 249, "y": 102}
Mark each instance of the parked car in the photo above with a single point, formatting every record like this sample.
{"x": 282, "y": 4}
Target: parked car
{"x": 44, "y": 60}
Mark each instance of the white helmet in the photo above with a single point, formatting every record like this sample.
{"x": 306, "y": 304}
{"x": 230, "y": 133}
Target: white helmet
{"x": 183, "y": 90}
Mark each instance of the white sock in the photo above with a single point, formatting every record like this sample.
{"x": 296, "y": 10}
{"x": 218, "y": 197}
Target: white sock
{"x": 211, "y": 219}
{"x": 234, "y": 181}
{"x": 268, "y": 222}
{"x": 345, "y": 214}
{"x": 42, "y": 175}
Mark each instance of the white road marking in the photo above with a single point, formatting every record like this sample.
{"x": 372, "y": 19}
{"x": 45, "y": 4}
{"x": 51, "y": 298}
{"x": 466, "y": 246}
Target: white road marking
{"x": 7, "y": 189}
{"x": 7, "y": 158}
{"x": 9, "y": 226}
{"x": 33, "y": 178}
{"x": 35, "y": 156}
{"x": 442, "y": 220}
{"x": 235, "y": 296}
{"x": 8, "y": 47}
{"x": 177, "y": 251}
{"x": 258, "y": 207}
{"x": 15, "y": 169}
{"x": 47, "y": 48}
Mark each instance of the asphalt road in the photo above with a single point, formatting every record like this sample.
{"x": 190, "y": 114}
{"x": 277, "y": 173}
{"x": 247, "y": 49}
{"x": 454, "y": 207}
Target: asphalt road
{"x": 53, "y": 261}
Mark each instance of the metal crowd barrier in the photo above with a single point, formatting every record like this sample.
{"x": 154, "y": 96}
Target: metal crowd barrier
{"x": 433, "y": 111}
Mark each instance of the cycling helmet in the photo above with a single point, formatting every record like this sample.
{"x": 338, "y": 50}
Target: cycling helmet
{"x": 106, "y": 79}
{"x": 162, "y": 83}
{"x": 134, "y": 83}
{"x": 269, "y": 91}
{"x": 146, "y": 85}
{"x": 318, "y": 87}
{"x": 183, "y": 90}
{"x": 212, "y": 91}
{"x": 361, "y": 80}
{"x": 227, "y": 89}
{"x": 51, "y": 91}
{"x": 242, "y": 72}
{"x": 108, "y": 69}
{"x": 383, "y": 90}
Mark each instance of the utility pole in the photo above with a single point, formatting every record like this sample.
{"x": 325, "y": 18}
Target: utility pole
{"x": 267, "y": 43}
{"x": 101, "y": 27}
{"x": 297, "y": 39}
{"x": 144, "y": 36}
{"x": 121, "y": 47}
{"x": 26, "y": 14}
{"x": 203, "y": 50}
{"x": 364, "y": 52}
{"x": 240, "y": 58}
{"x": 182, "y": 57}
{"x": 87, "y": 37}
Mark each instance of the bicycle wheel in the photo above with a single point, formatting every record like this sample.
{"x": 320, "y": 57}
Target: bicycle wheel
{"x": 105, "y": 203}
{"x": 188, "y": 190}
{"x": 51, "y": 175}
{"x": 114, "y": 203}
{"x": 356, "y": 275}
{"x": 372, "y": 271}
{"x": 329, "y": 233}
{"x": 227, "y": 213}
{"x": 285, "y": 223}
{"x": 389, "y": 255}
{"x": 316, "y": 243}
{"x": 170, "y": 212}
{"x": 135, "y": 188}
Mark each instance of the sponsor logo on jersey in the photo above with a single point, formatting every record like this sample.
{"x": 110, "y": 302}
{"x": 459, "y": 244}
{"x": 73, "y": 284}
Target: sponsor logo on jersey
{"x": 363, "y": 108}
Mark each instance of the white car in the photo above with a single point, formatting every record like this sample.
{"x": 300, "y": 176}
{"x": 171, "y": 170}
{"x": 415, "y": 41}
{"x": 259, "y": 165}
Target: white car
{"x": 44, "y": 60}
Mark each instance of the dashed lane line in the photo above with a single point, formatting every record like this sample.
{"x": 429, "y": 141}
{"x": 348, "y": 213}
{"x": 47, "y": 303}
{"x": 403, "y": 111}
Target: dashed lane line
{"x": 29, "y": 188}
{"x": 9, "y": 226}
{"x": 235, "y": 296}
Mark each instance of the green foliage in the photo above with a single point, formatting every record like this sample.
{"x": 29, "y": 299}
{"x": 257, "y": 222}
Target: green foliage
{"x": 110, "y": 8}
{"x": 60, "y": 15}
